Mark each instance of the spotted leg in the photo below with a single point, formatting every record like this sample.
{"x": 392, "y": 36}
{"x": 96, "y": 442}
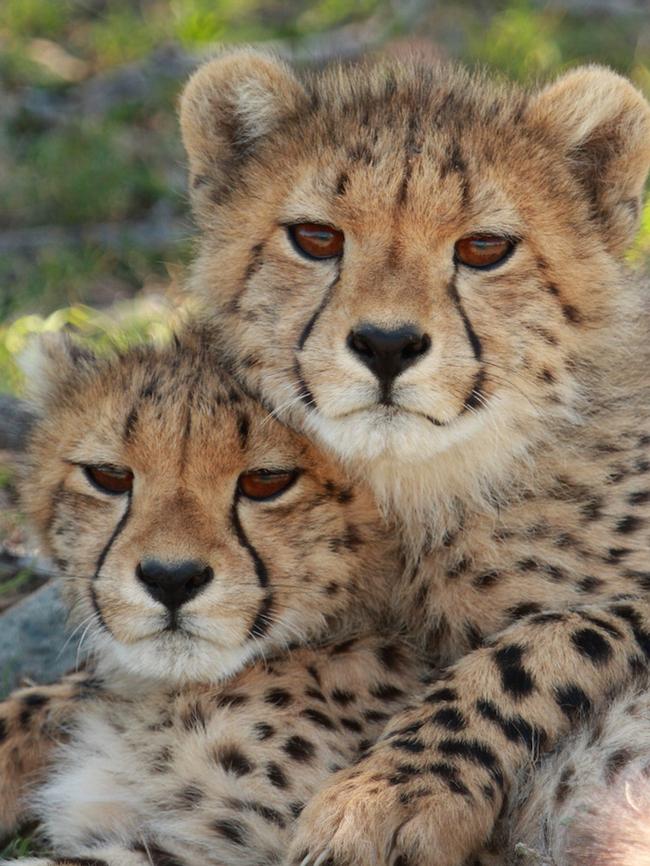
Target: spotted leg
{"x": 32, "y": 721}
{"x": 431, "y": 789}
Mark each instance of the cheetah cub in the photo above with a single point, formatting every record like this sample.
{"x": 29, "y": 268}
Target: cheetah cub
{"x": 424, "y": 269}
{"x": 209, "y": 553}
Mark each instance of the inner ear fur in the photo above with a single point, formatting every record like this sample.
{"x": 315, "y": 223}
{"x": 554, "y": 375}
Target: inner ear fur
{"x": 602, "y": 124}
{"x": 228, "y": 106}
{"x": 47, "y": 362}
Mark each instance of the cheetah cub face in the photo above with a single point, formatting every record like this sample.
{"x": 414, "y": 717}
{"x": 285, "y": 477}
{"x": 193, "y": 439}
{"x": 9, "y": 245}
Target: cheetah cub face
{"x": 193, "y": 531}
{"x": 408, "y": 260}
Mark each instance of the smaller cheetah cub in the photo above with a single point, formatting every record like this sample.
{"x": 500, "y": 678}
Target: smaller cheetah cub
{"x": 198, "y": 541}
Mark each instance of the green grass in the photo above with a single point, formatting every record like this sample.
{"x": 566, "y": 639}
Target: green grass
{"x": 19, "y": 846}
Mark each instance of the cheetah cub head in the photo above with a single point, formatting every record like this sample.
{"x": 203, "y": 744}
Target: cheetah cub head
{"x": 411, "y": 261}
{"x": 193, "y": 532}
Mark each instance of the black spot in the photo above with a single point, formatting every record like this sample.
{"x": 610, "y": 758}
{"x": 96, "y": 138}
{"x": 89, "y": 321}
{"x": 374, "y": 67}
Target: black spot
{"x": 441, "y": 695}
{"x": 267, "y": 812}
{"x": 374, "y": 716}
{"x": 449, "y": 718}
{"x": 3, "y": 730}
{"x": 408, "y": 744}
{"x": 299, "y": 749}
{"x": 592, "y": 645}
{"x": 316, "y": 694}
{"x": 344, "y": 646}
{"x": 571, "y": 314}
{"x": 514, "y": 728}
{"x": 386, "y": 692}
{"x": 628, "y": 524}
{"x": 296, "y": 809}
{"x": 231, "y": 699}
{"x": 475, "y": 752}
{"x": 34, "y": 700}
{"x": 589, "y": 584}
{"x": 231, "y": 830}
{"x": 190, "y": 796}
{"x": 276, "y": 776}
{"x": 318, "y": 718}
{"x": 487, "y": 579}
{"x": 525, "y": 608}
{"x": 351, "y": 725}
{"x": 449, "y": 776}
{"x": 278, "y": 697}
{"x": 233, "y": 760}
{"x": 515, "y": 679}
{"x": 639, "y": 497}
{"x": 573, "y": 702}
{"x": 403, "y": 774}
{"x": 390, "y": 656}
{"x": 342, "y": 183}
{"x": 341, "y": 697}
{"x": 630, "y": 615}
{"x": 263, "y": 731}
{"x": 616, "y": 762}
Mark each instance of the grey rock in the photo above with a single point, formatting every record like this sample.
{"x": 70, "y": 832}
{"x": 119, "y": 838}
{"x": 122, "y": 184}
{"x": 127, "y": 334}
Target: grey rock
{"x": 34, "y": 642}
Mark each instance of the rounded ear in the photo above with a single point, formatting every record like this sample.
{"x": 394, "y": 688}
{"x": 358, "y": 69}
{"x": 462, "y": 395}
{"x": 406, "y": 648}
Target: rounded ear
{"x": 227, "y": 107}
{"x": 601, "y": 122}
{"x": 48, "y": 360}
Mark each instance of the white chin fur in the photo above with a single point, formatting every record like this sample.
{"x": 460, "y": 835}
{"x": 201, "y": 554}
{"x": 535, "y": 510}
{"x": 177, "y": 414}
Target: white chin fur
{"x": 174, "y": 658}
{"x": 379, "y": 433}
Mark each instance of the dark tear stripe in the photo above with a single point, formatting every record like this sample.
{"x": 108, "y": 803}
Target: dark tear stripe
{"x": 102, "y": 558}
{"x": 261, "y": 622}
{"x": 304, "y": 392}
{"x": 309, "y": 327}
{"x": 260, "y": 568}
{"x": 472, "y": 336}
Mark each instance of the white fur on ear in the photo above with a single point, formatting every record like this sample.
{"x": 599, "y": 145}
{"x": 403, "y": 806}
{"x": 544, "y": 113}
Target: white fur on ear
{"x": 46, "y": 361}
{"x": 601, "y": 123}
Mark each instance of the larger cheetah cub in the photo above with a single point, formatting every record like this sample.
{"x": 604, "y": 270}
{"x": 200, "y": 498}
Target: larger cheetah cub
{"x": 424, "y": 269}
{"x": 198, "y": 541}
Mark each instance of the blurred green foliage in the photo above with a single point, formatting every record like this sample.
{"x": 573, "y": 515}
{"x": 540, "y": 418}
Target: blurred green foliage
{"x": 86, "y": 139}
{"x": 144, "y": 319}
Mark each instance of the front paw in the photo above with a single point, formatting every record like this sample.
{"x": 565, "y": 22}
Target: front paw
{"x": 386, "y": 813}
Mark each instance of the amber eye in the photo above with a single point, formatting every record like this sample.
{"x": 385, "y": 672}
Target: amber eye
{"x": 265, "y": 483}
{"x": 483, "y": 251}
{"x": 317, "y": 241}
{"x": 110, "y": 479}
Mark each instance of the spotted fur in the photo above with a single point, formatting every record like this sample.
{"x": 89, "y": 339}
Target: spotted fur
{"x": 515, "y": 453}
{"x": 199, "y": 735}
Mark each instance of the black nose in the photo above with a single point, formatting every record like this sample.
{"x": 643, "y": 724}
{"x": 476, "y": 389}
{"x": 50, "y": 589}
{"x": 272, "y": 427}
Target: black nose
{"x": 173, "y": 583}
{"x": 388, "y": 353}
